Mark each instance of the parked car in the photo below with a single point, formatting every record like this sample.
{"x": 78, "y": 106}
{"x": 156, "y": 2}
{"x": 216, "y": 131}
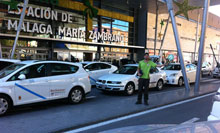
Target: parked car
{"x": 98, "y": 69}
{"x": 156, "y": 59}
{"x": 126, "y": 79}
{"x": 216, "y": 71}
{"x": 7, "y": 62}
{"x": 174, "y": 73}
{"x": 206, "y": 69}
{"x": 39, "y": 81}
{"x": 215, "y": 113}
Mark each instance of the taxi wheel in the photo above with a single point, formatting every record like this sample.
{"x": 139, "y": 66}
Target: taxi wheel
{"x": 180, "y": 82}
{"x": 5, "y": 105}
{"x": 76, "y": 95}
{"x": 129, "y": 89}
{"x": 160, "y": 85}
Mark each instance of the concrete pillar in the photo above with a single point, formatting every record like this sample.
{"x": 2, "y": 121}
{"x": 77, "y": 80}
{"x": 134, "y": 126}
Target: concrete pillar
{"x": 98, "y": 53}
{"x": 141, "y": 28}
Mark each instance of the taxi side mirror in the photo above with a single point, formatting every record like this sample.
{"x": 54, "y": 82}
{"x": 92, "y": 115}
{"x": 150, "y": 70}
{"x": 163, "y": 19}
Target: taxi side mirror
{"x": 21, "y": 77}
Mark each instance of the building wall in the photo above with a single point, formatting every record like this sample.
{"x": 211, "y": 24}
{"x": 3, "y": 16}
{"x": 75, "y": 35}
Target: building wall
{"x": 187, "y": 33}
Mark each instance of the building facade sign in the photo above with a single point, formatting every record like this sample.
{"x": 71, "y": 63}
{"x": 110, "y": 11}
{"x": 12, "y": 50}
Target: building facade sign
{"x": 53, "y": 15}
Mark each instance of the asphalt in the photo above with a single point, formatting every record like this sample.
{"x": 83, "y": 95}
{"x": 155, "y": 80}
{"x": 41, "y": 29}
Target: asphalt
{"x": 173, "y": 115}
{"x": 61, "y": 116}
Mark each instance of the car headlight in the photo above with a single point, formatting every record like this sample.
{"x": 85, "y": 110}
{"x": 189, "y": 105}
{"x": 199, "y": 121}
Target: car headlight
{"x": 217, "y": 97}
{"x": 114, "y": 82}
{"x": 174, "y": 74}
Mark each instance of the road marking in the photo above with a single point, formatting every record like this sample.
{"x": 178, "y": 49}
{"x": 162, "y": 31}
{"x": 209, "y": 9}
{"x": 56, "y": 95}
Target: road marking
{"x": 191, "y": 121}
{"x": 207, "y": 80}
{"x": 90, "y": 97}
{"x": 135, "y": 115}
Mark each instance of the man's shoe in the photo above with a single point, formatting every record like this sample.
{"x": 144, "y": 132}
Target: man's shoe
{"x": 138, "y": 102}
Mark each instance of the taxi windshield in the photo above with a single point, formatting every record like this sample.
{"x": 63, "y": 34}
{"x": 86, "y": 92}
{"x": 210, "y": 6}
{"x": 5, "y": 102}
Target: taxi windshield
{"x": 130, "y": 70}
{"x": 10, "y": 69}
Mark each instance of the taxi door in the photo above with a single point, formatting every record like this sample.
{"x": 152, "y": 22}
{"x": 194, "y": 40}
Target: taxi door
{"x": 31, "y": 84}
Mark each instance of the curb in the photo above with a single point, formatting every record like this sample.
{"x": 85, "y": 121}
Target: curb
{"x": 134, "y": 112}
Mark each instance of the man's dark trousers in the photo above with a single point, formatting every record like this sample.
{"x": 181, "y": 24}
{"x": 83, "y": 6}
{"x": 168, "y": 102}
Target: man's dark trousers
{"x": 143, "y": 86}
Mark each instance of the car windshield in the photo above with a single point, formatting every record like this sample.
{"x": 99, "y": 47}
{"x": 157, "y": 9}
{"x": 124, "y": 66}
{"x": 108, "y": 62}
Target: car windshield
{"x": 10, "y": 69}
{"x": 130, "y": 70}
{"x": 172, "y": 67}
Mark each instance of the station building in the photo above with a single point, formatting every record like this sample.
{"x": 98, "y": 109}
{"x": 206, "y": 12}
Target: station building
{"x": 104, "y": 30}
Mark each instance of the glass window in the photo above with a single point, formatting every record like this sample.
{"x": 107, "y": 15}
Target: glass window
{"x": 130, "y": 70}
{"x": 4, "y": 64}
{"x": 61, "y": 69}
{"x": 104, "y": 66}
{"x": 154, "y": 70}
{"x": 35, "y": 71}
{"x": 188, "y": 68}
{"x": 10, "y": 69}
{"x": 93, "y": 67}
{"x": 172, "y": 67}
{"x": 193, "y": 67}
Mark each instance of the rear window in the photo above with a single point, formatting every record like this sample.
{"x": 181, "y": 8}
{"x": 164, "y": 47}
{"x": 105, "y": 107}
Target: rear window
{"x": 62, "y": 69}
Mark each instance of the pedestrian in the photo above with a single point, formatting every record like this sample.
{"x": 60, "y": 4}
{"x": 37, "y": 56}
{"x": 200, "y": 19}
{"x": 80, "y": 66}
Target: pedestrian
{"x": 144, "y": 74}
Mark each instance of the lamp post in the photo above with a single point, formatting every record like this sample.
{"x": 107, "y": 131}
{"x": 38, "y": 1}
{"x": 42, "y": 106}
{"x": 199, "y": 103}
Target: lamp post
{"x": 19, "y": 27}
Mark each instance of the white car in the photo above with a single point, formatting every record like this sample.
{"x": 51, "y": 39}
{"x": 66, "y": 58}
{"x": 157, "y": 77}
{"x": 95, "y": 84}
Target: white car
{"x": 215, "y": 113}
{"x": 216, "y": 72}
{"x": 126, "y": 79}
{"x": 206, "y": 69}
{"x": 175, "y": 76}
{"x": 38, "y": 81}
{"x": 98, "y": 69}
{"x": 7, "y": 62}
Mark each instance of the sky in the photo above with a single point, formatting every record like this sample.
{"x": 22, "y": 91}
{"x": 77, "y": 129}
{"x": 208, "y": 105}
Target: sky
{"x": 215, "y": 10}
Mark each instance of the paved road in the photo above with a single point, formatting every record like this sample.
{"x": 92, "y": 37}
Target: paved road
{"x": 58, "y": 115}
{"x": 172, "y": 115}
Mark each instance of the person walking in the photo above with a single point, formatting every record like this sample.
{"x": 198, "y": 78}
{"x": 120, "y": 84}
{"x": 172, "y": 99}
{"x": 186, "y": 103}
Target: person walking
{"x": 144, "y": 74}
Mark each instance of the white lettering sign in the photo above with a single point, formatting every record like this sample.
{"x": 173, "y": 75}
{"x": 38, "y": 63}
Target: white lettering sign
{"x": 44, "y": 28}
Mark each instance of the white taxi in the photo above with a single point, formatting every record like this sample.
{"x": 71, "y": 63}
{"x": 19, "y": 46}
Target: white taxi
{"x": 175, "y": 76}
{"x": 126, "y": 79}
{"x": 38, "y": 81}
{"x": 98, "y": 69}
